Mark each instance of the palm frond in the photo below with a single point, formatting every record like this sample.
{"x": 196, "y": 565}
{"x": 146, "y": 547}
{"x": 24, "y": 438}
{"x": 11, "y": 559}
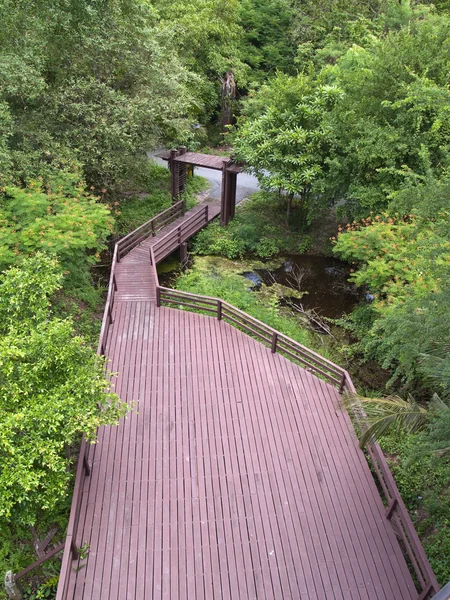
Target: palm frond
{"x": 384, "y": 414}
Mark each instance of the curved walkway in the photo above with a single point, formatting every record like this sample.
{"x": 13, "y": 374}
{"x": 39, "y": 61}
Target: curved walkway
{"x": 237, "y": 476}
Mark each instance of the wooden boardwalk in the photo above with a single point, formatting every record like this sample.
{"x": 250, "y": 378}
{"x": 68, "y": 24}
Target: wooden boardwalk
{"x": 240, "y": 479}
{"x": 238, "y": 474}
{"x": 135, "y": 281}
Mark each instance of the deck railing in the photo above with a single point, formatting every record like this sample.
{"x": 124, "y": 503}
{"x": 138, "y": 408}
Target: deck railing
{"x": 173, "y": 240}
{"x": 396, "y": 510}
{"x": 150, "y": 228}
{"x": 278, "y": 342}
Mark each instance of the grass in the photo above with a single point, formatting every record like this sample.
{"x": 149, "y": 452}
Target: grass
{"x": 219, "y": 277}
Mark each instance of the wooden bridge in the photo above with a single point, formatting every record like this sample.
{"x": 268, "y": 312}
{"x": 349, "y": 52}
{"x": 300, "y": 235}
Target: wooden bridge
{"x": 238, "y": 475}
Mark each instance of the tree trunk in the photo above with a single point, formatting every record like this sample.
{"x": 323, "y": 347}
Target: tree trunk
{"x": 228, "y": 96}
{"x": 289, "y": 206}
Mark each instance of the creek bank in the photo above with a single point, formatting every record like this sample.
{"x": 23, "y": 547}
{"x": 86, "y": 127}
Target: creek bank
{"x": 318, "y": 283}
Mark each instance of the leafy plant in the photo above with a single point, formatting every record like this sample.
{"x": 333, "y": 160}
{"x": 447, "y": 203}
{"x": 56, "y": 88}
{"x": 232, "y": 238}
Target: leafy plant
{"x": 62, "y": 220}
{"x": 53, "y": 391}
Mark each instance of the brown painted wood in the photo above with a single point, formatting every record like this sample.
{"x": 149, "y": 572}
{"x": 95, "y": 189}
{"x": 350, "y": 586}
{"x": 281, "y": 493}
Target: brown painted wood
{"x": 240, "y": 479}
{"x": 238, "y": 474}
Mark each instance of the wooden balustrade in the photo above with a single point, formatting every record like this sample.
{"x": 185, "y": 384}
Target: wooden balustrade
{"x": 396, "y": 511}
{"x": 150, "y": 228}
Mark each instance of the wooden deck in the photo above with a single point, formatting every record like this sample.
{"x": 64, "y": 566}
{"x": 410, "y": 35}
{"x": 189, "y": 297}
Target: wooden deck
{"x": 240, "y": 479}
{"x": 135, "y": 280}
{"x": 238, "y": 474}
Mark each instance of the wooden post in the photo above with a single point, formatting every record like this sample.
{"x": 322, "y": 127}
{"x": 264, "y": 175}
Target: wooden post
{"x": 174, "y": 171}
{"x": 86, "y": 465}
{"x": 12, "y": 588}
{"x": 75, "y": 551}
{"x": 183, "y": 253}
{"x": 232, "y": 188}
{"x": 390, "y": 510}
{"x": 158, "y": 296}
{"x": 224, "y": 205}
{"x": 342, "y": 385}
{"x": 182, "y": 172}
{"x": 274, "y": 342}
{"x": 219, "y": 310}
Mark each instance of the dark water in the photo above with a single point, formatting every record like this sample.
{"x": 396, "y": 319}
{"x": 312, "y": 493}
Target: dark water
{"x": 325, "y": 279}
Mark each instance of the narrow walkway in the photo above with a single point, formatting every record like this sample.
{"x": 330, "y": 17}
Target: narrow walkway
{"x": 135, "y": 281}
{"x": 238, "y": 475}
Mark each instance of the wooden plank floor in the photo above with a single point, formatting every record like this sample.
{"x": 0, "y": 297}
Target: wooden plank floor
{"x": 135, "y": 281}
{"x": 237, "y": 476}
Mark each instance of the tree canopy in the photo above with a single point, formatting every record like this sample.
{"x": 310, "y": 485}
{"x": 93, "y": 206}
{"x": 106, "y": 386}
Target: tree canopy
{"x": 53, "y": 391}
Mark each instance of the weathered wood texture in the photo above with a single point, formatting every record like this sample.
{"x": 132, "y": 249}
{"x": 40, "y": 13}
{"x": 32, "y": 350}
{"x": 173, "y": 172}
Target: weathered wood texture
{"x": 196, "y": 159}
{"x": 237, "y": 476}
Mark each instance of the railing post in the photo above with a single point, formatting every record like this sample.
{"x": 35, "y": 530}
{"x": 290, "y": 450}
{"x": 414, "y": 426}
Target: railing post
{"x": 115, "y": 283}
{"x": 342, "y": 385}
{"x": 390, "y": 510}
{"x": 110, "y": 314}
{"x": 153, "y": 228}
{"x": 274, "y": 342}
{"x": 86, "y": 465}
{"x": 219, "y": 310}
{"x": 179, "y": 235}
{"x": 75, "y": 551}
{"x": 206, "y": 213}
{"x": 158, "y": 296}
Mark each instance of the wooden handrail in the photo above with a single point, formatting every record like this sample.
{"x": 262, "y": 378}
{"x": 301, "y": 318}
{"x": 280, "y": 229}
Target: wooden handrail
{"x": 150, "y": 227}
{"x": 229, "y": 312}
{"x": 396, "y": 511}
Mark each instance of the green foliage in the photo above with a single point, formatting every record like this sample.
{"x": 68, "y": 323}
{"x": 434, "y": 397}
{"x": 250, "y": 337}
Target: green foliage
{"x": 62, "y": 220}
{"x": 220, "y": 278}
{"x": 207, "y": 37}
{"x": 53, "y": 391}
{"x": 259, "y": 228}
{"x": 405, "y": 263}
{"x": 101, "y": 83}
{"x": 323, "y": 31}
{"x": 286, "y": 145}
{"x": 153, "y": 198}
{"x": 392, "y": 124}
{"x": 267, "y": 45}
{"x": 45, "y": 591}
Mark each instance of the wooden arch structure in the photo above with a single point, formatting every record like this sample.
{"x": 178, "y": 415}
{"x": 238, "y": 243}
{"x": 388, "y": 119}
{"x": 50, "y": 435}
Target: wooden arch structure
{"x": 179, "y": 162}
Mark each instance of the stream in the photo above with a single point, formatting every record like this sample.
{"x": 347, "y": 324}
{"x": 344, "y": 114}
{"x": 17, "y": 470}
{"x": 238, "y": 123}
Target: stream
{"x": 322, "y": 280}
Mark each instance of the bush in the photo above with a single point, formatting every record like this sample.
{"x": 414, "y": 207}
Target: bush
{"x": 53, "y": 391}
{"x": 62, "y": 220}
{"x": 259, "y": 228}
